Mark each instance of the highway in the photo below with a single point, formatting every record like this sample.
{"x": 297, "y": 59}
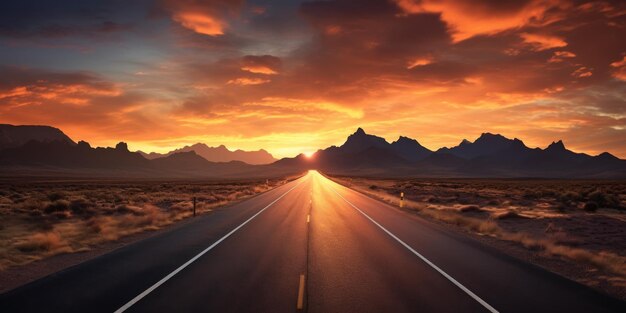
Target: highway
{"x": 311, "y": 245}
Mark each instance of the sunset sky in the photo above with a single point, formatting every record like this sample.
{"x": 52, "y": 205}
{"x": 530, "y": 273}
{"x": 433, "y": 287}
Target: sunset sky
{"x": 293, "y": 76}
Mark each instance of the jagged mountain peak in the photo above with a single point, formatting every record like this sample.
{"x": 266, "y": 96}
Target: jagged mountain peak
{"x": 359, "y": 141}
{"x": 486, "y": 144}
{"x": 359, "y": 131}
{"x": 556, "y": 145}
{"x": 404, "y": 139}
{"x": 491, "y": 138}
{"x": 121, "y": 146}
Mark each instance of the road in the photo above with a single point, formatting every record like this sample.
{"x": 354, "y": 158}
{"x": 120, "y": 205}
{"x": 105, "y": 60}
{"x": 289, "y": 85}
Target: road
{"x": 310, "y": 245}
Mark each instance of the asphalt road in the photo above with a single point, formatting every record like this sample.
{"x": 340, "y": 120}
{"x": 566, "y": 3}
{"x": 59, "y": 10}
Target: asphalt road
{"x": 310, "y": 245}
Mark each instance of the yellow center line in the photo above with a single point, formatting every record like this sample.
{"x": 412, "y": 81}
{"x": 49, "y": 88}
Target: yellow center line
{"x": 308, "y": 218}
{"x": 301, "y": 293}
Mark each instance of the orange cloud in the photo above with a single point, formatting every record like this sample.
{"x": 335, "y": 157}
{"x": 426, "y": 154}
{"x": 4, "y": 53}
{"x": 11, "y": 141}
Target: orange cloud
{"x": 15, "y": 92}
{"x": 420, "y": 61}
{"x": 303, "y": 105}
{"x": 620, "y": 69}
{"x": 200, "y": 23}
{"x": 40, "y": 93}
{"x": 248, "y": 81}
{"x": 332, "y": 30}
{"x": 261, "y": 64}
{"x": 582, "y": 72}
{"x": 466, "y": 19}
{"x": 259, "y": 69}
{"x": 203, "y": 17}
{"x": 540, "y": 42}
{"x": 559, "y": 56}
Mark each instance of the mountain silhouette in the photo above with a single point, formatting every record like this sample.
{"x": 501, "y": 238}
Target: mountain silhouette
{"x": 486, "y": 144}
{"x": 364, "y": 154}
{"x": 490, "y": 155}
{"x": 410, "y": 149}
{"x": 360, "y": 141}
{"x": 219, "y": 154}
{"x": 66, "y": 155}
{"x": 15, "y": 136}
{"x": 47, "y": 151}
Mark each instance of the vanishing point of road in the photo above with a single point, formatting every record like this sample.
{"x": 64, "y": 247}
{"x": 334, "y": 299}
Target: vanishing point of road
{"x": 310, "y": 245}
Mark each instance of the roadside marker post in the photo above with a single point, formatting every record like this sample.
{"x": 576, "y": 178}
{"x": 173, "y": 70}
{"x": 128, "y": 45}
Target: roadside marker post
{"x": 401, "y": 199}
{"x": 194, "y": 206}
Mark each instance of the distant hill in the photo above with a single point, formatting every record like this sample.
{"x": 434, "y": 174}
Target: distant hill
{"x": 66, "y": 155}
{"x": 15, "y": 136}
{"x": 219, "y": 154}
{"x": 57, "y": 158}
{"x": 47, "y": 151}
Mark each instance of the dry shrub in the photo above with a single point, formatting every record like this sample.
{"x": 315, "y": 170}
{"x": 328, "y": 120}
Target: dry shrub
{"x": 31, "y": 204}
{"x": 590, "y": 206}
{"x": 508, "y": 214}
{"x": 603, "y": 199}
{"x": 82, "y": 206}
{"x": 493, "y": 202}
{"x": 470, "y": 208}
{"x": 605, "y": 260}
{"x": 489, "y": 227}
{"x": 57, "y": 206}
{"x": 103, "y": 226}
{"x": 58, "y": 195}
{"x": 259, "y": 188}
{"x": 129, "y": 209}
{"x": 142, "y": 216}
{"x": 182, "y": 206}
{"x": 48, "y": 241}
{"x": 115, "y": 226}
{"x": 486, "y": 227}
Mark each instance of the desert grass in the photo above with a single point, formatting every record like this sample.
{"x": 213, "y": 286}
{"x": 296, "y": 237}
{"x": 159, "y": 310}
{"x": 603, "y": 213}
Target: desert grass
{"x": 42, "y": 219}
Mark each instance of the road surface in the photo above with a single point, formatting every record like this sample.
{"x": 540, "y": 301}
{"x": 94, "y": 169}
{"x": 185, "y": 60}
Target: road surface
{"x": 308, "y": 246}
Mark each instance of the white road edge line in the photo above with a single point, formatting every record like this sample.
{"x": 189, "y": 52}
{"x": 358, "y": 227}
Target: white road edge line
{"x": 180, "y": 268}
{"x": 450, "y": 278}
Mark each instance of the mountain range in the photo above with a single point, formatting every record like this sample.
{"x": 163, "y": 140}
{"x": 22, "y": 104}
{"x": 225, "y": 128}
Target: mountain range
{"x": 219, "y": 154}
{"x": 46, "y": 151}
{"x": 491, "y": 155}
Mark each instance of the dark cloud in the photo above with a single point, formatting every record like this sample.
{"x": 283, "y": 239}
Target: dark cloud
{"x": 66, "y": 18}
